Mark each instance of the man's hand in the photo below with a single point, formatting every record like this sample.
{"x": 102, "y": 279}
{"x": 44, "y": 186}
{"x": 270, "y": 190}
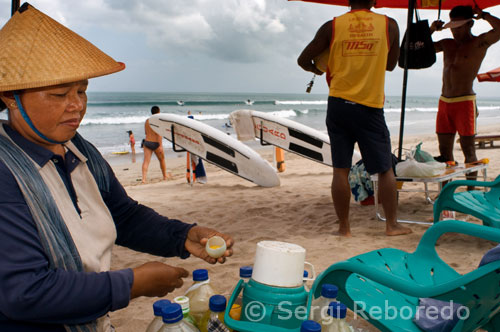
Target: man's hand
{"x": 315, "y": 70}
{"x": 197, "y": 239}
{"x": 436, "y": 26}
{"x": 156, "y": 279}
{"x": 478, "y": 12}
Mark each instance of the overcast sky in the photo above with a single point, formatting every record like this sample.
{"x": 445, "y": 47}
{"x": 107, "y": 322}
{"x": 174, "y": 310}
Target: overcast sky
{"x": 224, "y": 45}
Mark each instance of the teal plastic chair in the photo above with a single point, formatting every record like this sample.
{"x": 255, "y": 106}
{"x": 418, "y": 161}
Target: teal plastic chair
{"x": 393, "y": 280}
{"x": 484, "y": 205}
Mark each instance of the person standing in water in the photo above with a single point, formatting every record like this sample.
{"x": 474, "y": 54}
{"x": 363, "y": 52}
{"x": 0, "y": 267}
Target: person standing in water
{"x": 132, "y": 143}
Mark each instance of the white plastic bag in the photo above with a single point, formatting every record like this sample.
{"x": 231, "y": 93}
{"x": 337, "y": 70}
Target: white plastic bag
{"x": 412, "y": 168}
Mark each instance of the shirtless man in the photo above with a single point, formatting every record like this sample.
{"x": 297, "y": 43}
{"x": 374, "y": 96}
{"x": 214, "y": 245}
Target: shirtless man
{"x": 463, "y": 55}
{"x": 153, "y": 143}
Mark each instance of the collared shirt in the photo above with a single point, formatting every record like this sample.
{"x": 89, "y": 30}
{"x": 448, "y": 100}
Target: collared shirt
{"x": 35, "y": 298}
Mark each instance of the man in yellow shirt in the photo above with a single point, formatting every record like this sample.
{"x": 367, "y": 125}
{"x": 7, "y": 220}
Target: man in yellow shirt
{"x": 363, "y": 45}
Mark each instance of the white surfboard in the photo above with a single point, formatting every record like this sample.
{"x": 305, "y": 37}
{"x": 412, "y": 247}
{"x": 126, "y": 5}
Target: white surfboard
{"x": 287, "y": 134}
{"x": 216, "y": 147}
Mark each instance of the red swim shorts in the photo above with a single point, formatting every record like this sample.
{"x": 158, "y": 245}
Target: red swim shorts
{"x": 457, "y": 114}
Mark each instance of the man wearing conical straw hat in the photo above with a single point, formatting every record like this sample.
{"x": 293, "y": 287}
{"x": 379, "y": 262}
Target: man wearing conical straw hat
{"x": 61, "y": 207}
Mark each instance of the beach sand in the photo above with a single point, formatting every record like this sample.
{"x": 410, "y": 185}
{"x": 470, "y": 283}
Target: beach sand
{"x": 300, "y": 211}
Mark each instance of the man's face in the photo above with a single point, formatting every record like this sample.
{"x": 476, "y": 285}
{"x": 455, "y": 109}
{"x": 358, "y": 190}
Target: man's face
{"x": 460, "y": 27}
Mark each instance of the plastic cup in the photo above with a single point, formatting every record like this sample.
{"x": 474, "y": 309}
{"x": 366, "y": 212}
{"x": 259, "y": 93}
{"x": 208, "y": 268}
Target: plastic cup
{"x": 215, "y": 247}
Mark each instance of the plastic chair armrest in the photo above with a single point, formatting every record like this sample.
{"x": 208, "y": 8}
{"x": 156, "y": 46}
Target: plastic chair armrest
{"x": 453, "y": 185}
{"x": 402, "y": 286}
{"x": 428, "y": 241}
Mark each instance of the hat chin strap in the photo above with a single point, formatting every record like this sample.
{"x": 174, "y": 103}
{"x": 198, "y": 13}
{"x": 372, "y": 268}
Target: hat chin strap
{"x": 32, "y": 126}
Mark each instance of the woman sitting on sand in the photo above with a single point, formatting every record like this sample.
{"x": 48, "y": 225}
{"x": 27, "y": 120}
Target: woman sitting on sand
{"x": 62, "y": 208}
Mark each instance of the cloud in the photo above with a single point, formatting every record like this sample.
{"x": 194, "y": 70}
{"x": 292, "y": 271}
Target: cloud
{"x": 184, "y": 44}
{"x": 231, "y": 30}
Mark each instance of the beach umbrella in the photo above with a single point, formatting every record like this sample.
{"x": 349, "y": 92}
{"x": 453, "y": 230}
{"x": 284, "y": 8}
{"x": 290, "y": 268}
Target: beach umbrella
{"x": 490, "y": 76}
{"x": 421, "y": 4}
{"x": 410, "y": 4}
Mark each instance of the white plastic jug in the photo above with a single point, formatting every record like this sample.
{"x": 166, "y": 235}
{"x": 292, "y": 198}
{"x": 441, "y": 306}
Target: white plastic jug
{"x": 280, "y": 264}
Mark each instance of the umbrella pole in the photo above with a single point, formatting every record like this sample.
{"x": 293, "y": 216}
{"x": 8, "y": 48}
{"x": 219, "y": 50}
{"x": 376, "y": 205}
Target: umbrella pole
{"x": 15, "y": 6}
{"x": 411, "y": 9}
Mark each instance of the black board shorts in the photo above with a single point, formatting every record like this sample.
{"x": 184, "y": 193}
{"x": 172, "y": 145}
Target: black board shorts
{"x": 151, "y": 145}
{"x": 347, "y": 123}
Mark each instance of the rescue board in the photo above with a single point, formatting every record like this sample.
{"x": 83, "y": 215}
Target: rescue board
{"x": 287, "y": 134}
{"x": 216, "y": 147}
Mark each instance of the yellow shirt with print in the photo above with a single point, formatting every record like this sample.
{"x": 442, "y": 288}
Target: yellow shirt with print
{"x": 358, "y": 57}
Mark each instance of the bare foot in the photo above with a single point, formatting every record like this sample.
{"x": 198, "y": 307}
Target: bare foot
{"x": 344, "y": 230}
{"x": 396, "y": 229}
{"x": 167, "y": 177}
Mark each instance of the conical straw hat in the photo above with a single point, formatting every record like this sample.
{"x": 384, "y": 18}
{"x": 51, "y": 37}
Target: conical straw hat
{"x": 37, "y": 51}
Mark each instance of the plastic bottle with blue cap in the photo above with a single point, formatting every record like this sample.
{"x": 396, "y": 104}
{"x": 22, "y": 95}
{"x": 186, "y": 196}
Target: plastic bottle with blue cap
{"x": 306, "y": 275}
{"x": 199, "y": 294}
{"x": 173, "y": 320}
{"x": 214, "y": 318}
{"x": 310, "y": 326}
{"x": 336, "y": 320}
{"x": 319, "y": 306}
{"x": 245, "y": 274}
{"x": 157, "y": 321}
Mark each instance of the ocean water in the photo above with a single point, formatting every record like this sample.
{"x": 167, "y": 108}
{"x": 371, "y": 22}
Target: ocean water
{"x": 110, "y": 115}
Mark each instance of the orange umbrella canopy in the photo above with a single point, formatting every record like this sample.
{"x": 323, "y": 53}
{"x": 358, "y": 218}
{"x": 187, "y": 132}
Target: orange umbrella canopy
{"x": 424, "y": 4}
{"x": 491, "y": 76}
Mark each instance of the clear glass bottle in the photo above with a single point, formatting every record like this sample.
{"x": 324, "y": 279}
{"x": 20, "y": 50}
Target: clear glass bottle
{"x": 310, "y": 326}
{"x": 186, "y": 312}
{"x": 336, "y": 322}
{"x": 245, "y": 274}
{"x": 157, "y": 321}
{"x": 199, "y": 294}
{"x": 319, "y": 306}
{"x": 172, "y": 320}
{"x": 214, "y": 318}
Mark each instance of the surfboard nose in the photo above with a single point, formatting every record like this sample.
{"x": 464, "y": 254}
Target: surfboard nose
{"x": 271, "y": 178}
